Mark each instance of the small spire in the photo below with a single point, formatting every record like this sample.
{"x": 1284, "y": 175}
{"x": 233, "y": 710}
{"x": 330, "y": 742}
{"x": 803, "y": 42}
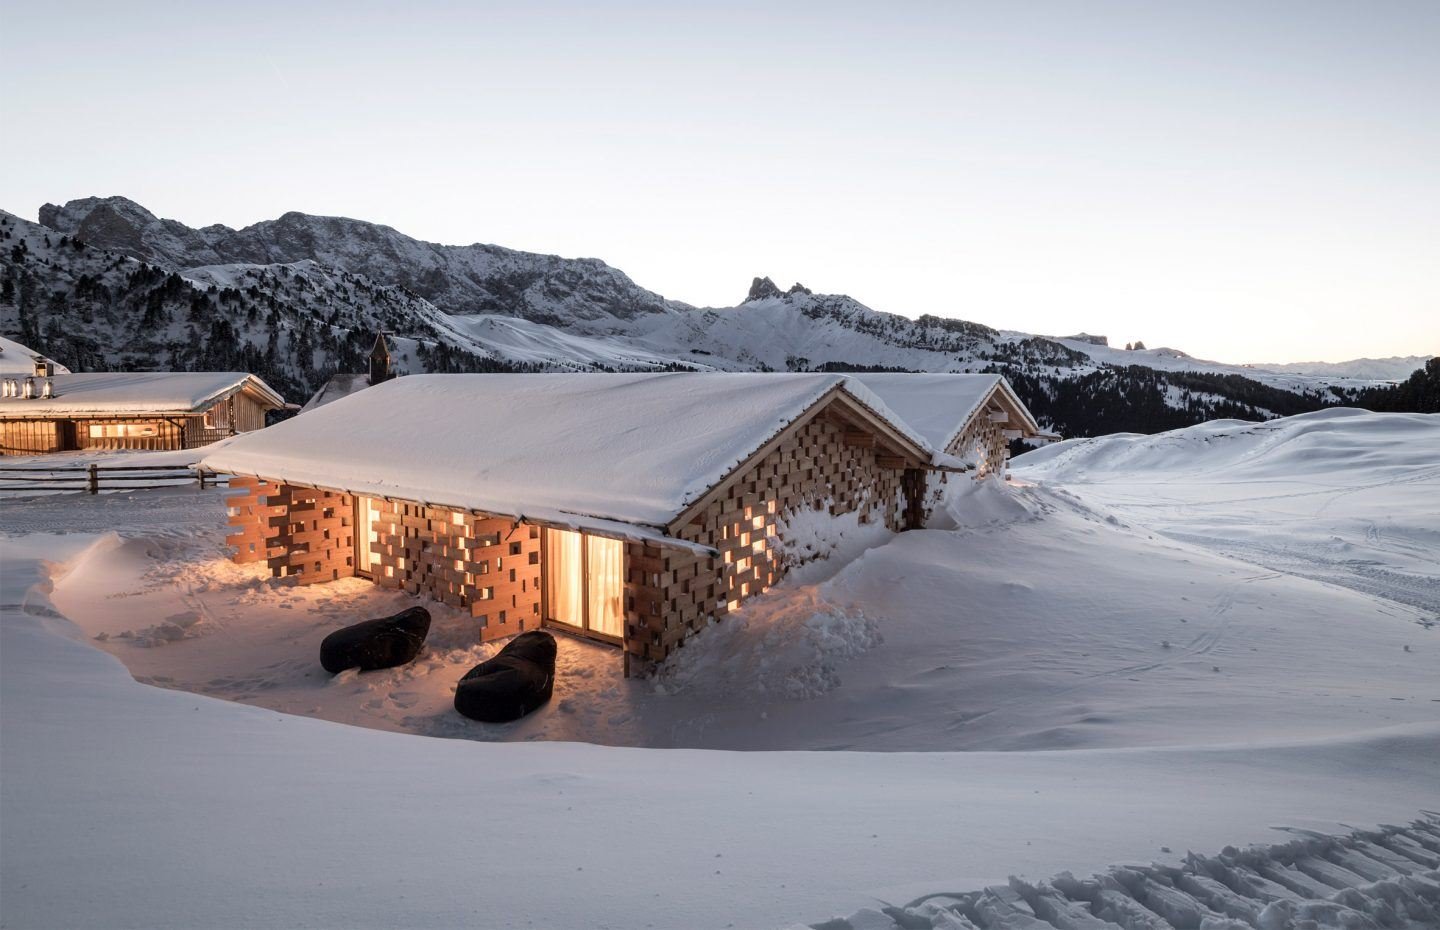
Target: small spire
{"x": 381, "y": 368}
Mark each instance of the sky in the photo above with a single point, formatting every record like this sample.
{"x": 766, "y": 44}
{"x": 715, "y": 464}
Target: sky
{"x": 1245, "y": 181}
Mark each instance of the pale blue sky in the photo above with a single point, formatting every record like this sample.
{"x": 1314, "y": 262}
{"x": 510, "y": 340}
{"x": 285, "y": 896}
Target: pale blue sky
{"x": 1242, "y": 180}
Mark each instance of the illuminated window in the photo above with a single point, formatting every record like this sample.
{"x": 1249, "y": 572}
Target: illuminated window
{"x": 122, "y": 430}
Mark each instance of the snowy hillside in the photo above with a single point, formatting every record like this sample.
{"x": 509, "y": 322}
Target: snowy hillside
{"x": 1348, "y": 497}
{"x": 297, "y": 299}
{"x": 1141, "y": 647}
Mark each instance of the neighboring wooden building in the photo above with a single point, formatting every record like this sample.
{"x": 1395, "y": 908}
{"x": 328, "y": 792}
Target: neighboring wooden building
{"x": 634, "y": 509}
{"x": 128, "y": 410}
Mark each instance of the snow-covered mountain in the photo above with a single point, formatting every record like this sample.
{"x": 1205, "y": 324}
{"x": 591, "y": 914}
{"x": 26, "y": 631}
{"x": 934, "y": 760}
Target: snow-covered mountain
{"x": 103, "y": 282}
{"x": 458, "y": 278}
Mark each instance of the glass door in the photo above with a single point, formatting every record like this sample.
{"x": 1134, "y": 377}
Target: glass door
{"x": 604, "y": 590}
{"x": 584, "y": 585}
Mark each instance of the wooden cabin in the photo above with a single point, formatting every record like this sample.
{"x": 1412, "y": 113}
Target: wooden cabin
{"x": 151, "y": 410}
{"x": 971, "y": 417}
{"x": 633, "y": 509}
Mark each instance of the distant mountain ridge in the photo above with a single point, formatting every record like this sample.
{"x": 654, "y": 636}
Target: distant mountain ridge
{"x": 104, "y": 283}
{"x": 465, "y": 279}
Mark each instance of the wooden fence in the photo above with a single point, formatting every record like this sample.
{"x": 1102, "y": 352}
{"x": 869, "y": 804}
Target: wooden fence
{"x": 94, "y": 478}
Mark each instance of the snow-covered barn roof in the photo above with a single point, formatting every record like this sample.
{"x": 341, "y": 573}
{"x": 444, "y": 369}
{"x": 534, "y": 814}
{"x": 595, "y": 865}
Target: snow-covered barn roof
{"x": 17, "y": 359}
{"x": 154, "y": 393}
{"x": 632, "y": 448}
{"x": 940, "y": 406}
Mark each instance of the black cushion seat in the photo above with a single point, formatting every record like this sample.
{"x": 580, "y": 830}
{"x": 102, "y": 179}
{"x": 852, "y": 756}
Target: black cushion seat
{"x": 518, "y": 679}
{"x": 374, "y": 644}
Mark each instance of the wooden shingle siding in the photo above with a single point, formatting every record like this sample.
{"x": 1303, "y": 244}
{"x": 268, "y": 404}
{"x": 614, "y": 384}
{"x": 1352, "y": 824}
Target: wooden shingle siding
{"x": 671, "y": 594}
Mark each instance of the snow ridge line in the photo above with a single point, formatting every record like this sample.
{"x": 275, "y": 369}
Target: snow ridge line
{"x": 1388, "y": 877}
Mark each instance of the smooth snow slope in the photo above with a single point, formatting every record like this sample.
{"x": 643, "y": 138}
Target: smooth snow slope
{"x": 126, "y": 806}
{"x": 1344, "y": 496}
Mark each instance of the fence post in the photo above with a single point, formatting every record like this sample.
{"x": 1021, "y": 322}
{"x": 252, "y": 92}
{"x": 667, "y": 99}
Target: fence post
{"x": 201, "y": 473}
{"x": 94, "y": 479}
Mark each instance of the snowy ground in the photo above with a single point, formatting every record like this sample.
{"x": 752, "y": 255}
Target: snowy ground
{"x": 1201, "y": 698}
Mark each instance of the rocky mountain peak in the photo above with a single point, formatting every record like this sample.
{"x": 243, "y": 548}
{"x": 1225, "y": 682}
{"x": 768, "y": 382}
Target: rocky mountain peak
{"x": 763, "y": 289}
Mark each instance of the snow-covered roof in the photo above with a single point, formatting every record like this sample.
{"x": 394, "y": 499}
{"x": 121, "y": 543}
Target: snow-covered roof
{"x": 632, "y": 448}
{"x": 339, "y": 385}
{"x": 129, "y": 392}
{"x": 17, "y": 359}
{"x": 940, "y": 406}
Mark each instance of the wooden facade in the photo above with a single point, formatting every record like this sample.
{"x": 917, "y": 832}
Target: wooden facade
{"x": 727, "y": 547}
{"x": 239, "y": 412}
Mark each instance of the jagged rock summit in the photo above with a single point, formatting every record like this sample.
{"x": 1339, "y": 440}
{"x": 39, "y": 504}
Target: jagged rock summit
{"x": 765, "y": 289}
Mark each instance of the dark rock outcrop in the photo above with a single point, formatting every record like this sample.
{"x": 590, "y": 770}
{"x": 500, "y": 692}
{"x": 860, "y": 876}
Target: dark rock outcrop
{"x": 763, "y": 289}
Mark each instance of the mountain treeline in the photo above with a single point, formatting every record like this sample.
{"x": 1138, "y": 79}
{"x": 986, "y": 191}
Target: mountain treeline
{"x": 1420, "y": 393}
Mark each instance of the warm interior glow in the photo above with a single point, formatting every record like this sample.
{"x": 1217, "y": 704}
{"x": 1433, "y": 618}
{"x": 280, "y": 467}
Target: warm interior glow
{"x": 584, "y": 581}
{"x": 564, "y": 569}
{"x": 367, "y": 537}
{"x": 605, "y": 562}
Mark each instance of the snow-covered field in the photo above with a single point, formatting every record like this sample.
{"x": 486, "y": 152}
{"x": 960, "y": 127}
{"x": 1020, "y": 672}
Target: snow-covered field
{"x": 1143, "y": 646}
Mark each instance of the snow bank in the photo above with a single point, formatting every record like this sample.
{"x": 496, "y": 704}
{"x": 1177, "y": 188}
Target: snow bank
{"x": 127, "y": 806}
{"x": 789, "y": 645}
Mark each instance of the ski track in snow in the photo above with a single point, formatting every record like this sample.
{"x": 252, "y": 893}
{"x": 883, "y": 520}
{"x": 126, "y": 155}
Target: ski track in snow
{"x": 1382, "y": 878}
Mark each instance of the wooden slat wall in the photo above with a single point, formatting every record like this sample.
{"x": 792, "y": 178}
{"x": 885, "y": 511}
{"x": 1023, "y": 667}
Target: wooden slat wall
{"x": 252, "y": 536}
{"x": 28, "y": 437}
{"x": 314, "y": 537}
{"x": 671, "y": 595}
{"x": 247, "y": 414}
{"x": 489, "y": 565}
{"x": 985, "y": 437}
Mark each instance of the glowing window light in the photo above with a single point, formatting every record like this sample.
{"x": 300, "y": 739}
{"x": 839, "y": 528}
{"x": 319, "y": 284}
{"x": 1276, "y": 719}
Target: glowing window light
{"x": 457, "y": 518}
{"x": 758, "y": 522}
